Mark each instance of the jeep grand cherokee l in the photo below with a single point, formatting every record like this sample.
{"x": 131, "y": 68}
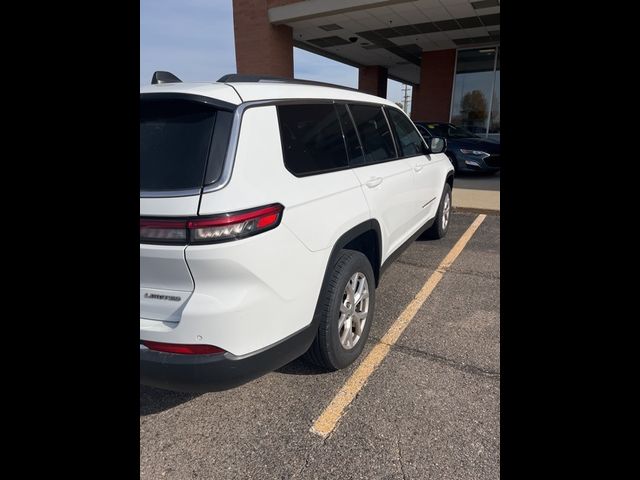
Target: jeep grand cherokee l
{"x": 268, "y": 212}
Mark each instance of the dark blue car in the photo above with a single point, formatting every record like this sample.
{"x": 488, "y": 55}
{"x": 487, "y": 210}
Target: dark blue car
{"x": 467, "y": 151}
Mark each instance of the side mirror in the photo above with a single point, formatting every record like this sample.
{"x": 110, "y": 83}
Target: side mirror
{"x": 437, "y": 144}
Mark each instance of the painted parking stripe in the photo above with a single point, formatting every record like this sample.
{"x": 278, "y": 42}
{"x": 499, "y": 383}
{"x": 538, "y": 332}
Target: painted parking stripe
{"x": 327, "y": 421}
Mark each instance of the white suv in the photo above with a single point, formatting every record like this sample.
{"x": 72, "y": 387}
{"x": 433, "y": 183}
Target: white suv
{"x": 268, "y": 211}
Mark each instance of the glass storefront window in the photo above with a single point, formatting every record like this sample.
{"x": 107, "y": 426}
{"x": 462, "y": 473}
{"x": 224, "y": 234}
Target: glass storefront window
{"x": 494, "y": 123}
{"x": 475, "y": 103}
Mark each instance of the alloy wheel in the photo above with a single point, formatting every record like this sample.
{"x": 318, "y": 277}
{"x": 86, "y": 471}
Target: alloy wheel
{"x": 353, "y": 310}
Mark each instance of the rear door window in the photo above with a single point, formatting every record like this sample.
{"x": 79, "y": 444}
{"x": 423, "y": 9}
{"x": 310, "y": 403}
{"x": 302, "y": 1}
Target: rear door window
{"x": 356, "y": 155}
{"x": 311, "y": 137}
{"x": 175, "y": 140}
{"x": 409, "y": 140}
{"x": 374, "y": 133}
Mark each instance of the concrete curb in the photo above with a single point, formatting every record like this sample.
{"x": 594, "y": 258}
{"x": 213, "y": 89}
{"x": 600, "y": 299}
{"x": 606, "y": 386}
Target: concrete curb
{"x": 486, "y": 211}
{"x": 473, "y": 200}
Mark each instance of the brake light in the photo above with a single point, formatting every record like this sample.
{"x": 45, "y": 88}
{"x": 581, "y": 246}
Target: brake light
{"x": 182, "y": 349}
{"x": 217, "y": 228}
{"x": 230, "y": 226}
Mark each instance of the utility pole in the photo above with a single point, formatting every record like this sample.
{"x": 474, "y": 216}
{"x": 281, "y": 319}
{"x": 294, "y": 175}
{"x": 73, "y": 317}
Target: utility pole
{"x": 405, "y": 98}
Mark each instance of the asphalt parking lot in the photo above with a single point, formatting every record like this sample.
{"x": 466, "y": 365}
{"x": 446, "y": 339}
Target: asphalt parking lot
{"x": 430, "y": 410}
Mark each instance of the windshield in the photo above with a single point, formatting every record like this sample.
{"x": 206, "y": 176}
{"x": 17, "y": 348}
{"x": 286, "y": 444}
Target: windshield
{"x": 175, "y": 136}
{"x": 447, "y": 130}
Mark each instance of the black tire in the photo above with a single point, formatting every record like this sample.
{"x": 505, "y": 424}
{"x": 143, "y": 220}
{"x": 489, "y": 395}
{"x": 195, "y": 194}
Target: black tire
{"x": 439, "y": 229}
{"x": 326, "y": 351}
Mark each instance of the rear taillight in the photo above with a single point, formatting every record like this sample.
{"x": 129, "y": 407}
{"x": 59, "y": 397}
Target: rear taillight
{"x": 218, "y": 228}
{"x": 163, "y": 231}
{"x": 182, "y": 348}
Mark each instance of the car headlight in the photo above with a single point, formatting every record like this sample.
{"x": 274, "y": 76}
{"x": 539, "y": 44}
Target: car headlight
{"x": 474, "y": 152}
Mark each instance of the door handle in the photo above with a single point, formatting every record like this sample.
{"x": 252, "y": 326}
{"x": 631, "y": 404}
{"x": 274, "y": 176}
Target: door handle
{"x": 373, "y": 182}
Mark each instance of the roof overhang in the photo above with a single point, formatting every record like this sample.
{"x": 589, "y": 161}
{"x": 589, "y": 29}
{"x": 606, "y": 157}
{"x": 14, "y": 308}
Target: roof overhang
{"x": 389, "y": 33}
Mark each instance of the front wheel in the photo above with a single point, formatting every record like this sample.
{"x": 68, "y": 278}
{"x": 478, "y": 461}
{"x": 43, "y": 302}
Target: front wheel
{"x": 443, "y": 215}
{"x": 348, "y": 304}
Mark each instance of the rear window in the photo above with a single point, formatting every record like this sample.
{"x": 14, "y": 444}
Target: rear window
{"x": 374, "y": 133}
{"x": 312, "y": 141}
{"x": 175, "y": 138}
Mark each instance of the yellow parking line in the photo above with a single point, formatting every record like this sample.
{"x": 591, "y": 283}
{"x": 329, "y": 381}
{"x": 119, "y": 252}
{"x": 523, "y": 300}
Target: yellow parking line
{"x": 327, "y": 421}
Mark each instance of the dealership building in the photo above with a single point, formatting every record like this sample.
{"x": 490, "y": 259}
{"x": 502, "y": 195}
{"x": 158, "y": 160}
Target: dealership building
{"x": 447, "y": 50}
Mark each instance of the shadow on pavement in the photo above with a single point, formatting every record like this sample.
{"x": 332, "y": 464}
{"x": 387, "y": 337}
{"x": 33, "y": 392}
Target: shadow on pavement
{"x": 425, "y": 237}
{"x": 301, "y": 367}
{"x": 156, "y": 400}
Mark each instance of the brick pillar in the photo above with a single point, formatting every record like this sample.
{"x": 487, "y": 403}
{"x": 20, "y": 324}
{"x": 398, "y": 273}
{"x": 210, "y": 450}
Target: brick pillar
{"x": 261, "y": 48}
{"x": 432, "y": 99}
{"x": 373, "y": 80}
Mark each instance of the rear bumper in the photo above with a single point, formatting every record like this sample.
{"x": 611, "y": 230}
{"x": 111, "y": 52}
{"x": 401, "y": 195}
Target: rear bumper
{"x": 208, "y": 373}
{"x": 243, "y": 300}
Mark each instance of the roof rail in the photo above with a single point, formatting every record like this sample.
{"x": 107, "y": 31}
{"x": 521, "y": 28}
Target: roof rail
{"x": 235, "y": 77}
{"x": 164, "y": 77}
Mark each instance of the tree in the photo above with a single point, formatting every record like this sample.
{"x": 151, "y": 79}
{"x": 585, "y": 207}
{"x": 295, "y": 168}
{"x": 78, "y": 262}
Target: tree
{"x": 474, "y": 106}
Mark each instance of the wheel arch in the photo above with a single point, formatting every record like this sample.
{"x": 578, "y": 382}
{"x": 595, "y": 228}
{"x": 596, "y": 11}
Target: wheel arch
{"x": 365, "y": 238}
{"x": 449, "y": 179}
{"x": 356, "y": 237}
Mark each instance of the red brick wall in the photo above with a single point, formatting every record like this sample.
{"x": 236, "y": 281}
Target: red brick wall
{"x": 432, "y": 100}
{"x": 261, "y": 48}
{"x": 373, "y": 80}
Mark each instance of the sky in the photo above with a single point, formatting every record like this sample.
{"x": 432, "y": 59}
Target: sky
{"x": 193, "y": 39}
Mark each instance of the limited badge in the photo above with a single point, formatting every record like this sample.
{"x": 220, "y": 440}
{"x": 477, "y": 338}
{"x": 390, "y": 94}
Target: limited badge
{"x": 155, "y": 296}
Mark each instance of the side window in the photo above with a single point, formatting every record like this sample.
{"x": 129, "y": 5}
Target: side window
{"x": 374, "y": 133}
{"x": 356, "y": 155}
{"x": 311, "y": 138}
{"x": 423, "y": 130}
{"x": 409, "y": 140}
